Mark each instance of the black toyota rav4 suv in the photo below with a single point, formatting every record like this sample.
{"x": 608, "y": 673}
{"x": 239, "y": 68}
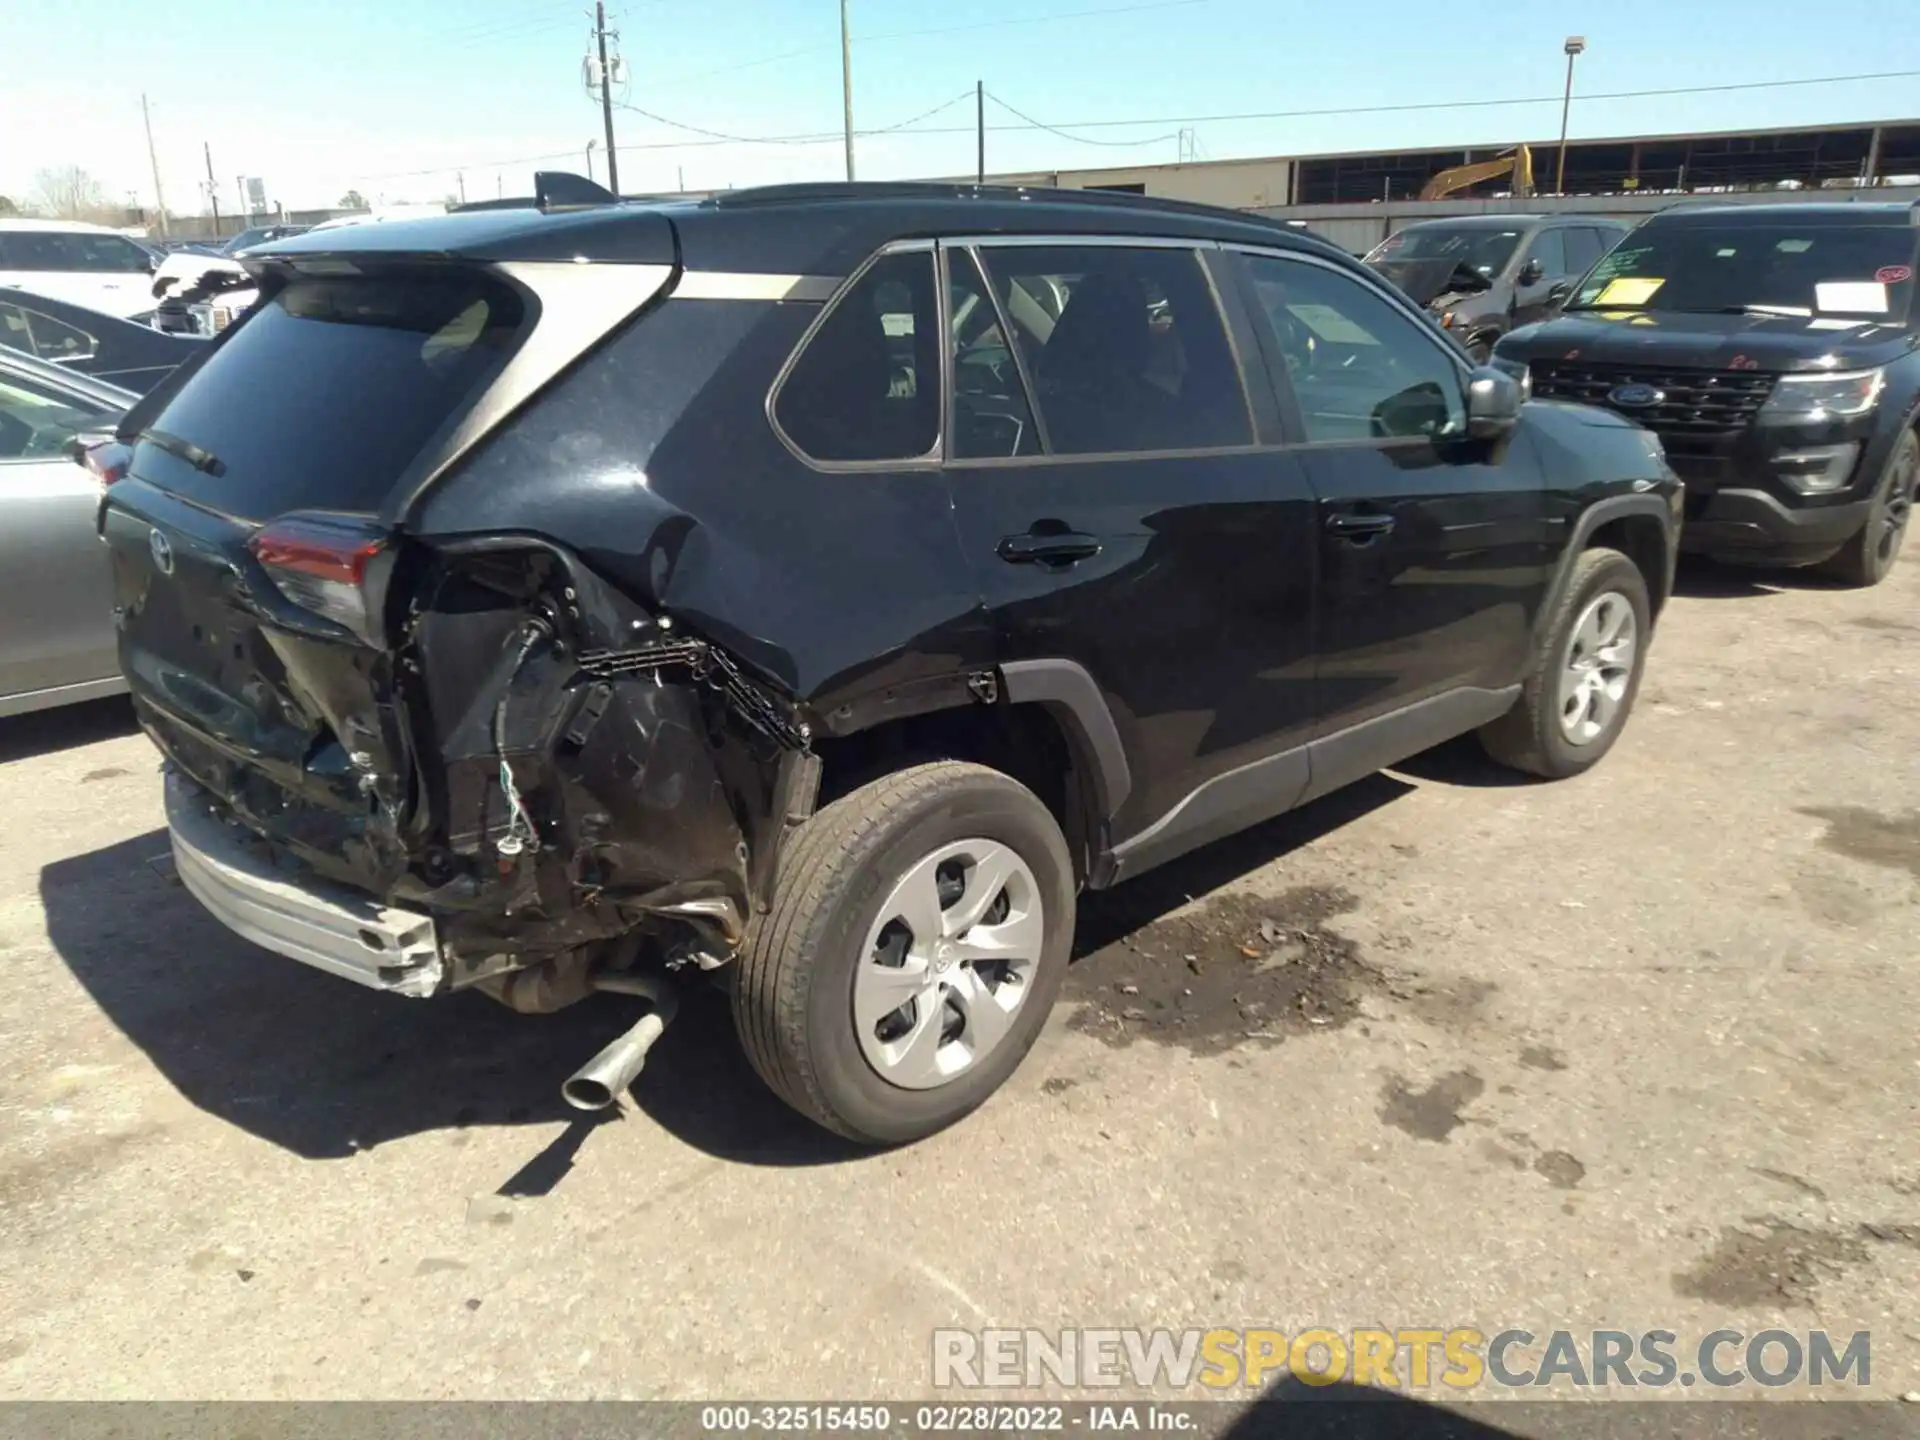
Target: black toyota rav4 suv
{"x": 1775, "y": 351}
{"x": 820, "y": 586}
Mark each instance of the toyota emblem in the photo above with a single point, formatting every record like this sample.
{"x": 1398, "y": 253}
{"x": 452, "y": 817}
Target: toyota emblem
{"x": 162, "y": 549}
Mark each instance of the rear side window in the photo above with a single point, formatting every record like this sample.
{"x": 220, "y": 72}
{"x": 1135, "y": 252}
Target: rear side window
{"x": 1135, "y": 358}
{"x": 331, "y": 389}
{"x": 42, "y": 335}
{"x": 71, "y": 251}
{"x": 867, "y": 385}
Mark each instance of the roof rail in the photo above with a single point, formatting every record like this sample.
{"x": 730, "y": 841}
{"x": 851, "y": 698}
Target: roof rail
{"x": 938, "y": 190}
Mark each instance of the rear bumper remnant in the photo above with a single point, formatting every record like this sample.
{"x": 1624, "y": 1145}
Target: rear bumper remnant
{"x": 278, "y": 905}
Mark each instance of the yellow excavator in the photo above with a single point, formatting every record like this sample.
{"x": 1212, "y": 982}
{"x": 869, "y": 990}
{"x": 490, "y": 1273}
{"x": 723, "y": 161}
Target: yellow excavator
{"x": 1519, "y": 164}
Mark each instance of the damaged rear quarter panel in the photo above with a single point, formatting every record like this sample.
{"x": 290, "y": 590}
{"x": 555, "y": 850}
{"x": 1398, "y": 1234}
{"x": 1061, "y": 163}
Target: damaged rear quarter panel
{"x": 651, "y": 475}
{"x": 654, "y": 462}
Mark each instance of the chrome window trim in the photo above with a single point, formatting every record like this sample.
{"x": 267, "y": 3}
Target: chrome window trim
{"x": 1105, "y": 237}
{"x": 932, "y": 458}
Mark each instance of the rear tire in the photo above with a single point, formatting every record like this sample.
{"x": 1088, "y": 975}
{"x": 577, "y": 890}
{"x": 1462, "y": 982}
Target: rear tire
{"x": 978, "y": 893}
{"x": 1869, "y": 556}
{"x": 1585, "y": 673}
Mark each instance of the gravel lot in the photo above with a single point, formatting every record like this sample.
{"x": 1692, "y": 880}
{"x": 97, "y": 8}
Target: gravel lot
{"x": 1636, "y": 1050}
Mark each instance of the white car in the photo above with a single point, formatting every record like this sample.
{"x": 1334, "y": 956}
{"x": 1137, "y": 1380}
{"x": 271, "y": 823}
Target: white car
{"x": 87, "y": 264}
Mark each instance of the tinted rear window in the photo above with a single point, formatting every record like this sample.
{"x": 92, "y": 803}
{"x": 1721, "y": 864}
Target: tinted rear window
{"x": 327, "y": 393}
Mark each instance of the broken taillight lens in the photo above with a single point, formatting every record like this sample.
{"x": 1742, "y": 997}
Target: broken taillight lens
{"x": 321, "y": 563}
{"x": 106, "y": 461}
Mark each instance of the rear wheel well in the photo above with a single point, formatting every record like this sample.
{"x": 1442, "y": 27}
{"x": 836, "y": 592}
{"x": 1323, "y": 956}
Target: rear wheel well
{"x": 1643, "y": 540}
{"x": 1025, "y": 742}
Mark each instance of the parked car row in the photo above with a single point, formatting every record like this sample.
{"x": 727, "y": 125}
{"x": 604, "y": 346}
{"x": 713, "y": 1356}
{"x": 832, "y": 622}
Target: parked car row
{"x": 1772, "y": 348}
{"x": 819, "y": 587}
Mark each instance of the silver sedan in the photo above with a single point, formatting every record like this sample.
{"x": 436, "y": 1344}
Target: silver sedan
{"x": 56, "y": 596}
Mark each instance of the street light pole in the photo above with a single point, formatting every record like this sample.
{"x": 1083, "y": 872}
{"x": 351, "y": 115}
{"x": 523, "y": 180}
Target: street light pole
{"x": 1575, "y": 44}
{"x": 846, "y": 83}
{"x": 590, "y": 145}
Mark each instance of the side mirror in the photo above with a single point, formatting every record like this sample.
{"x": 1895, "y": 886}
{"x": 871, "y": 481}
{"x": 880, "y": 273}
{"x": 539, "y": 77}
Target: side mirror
{"x": 1531, "y": 273}
{"x": 1493, "y": 403}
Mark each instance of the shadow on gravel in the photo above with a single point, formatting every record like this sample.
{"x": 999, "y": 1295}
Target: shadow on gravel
{"x": 1701, "y": 579}
{"x": 47, "y": 732}
{"x": 1462, "y": 761}
{"x": 325, "y": 1068}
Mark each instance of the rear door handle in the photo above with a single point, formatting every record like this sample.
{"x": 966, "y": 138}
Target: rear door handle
{"x": 1359, "y": 527}
{"x": 1054, "y": 549}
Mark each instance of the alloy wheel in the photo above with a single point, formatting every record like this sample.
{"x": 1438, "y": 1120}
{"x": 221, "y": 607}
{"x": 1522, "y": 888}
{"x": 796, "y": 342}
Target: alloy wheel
{"x": 1898, "y": 508}
{"x": 948, "y": 963}
{"x": 1598, "y": 668}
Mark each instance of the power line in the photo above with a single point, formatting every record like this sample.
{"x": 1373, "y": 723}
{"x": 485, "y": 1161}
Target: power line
{"x": 722, "y": 137}
{"x": 1474, "y": 104}
{"x": 947, "y": 30}
{"x": 1080, "y": 139}
{"x": 834, "y": 137}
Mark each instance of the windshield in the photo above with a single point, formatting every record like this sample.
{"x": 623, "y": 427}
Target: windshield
{"x": 1862, "y": 271}
{"x": 1480, "y": 249}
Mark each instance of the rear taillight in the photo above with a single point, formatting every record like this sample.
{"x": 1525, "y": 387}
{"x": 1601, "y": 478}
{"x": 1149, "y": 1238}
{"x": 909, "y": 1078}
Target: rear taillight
{"x": 324, "y": 564}
{"x": 106, "y": 461}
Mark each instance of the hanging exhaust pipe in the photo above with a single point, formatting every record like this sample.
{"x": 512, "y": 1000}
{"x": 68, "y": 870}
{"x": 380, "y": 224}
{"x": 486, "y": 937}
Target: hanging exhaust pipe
{"x": 605, "y": 1078}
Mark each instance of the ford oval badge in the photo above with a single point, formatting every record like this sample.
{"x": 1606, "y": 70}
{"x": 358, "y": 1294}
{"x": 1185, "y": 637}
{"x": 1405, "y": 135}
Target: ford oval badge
{"x": 1635, "y": 396}
{"x": 162, "y": 549}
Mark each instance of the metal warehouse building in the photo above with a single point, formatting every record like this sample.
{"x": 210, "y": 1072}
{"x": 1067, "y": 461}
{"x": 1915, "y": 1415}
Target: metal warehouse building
{"x": 1359, "y": 198}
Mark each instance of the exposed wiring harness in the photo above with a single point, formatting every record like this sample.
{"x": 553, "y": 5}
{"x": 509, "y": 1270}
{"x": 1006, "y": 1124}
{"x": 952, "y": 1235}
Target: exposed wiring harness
{"x": 520, "y": 831}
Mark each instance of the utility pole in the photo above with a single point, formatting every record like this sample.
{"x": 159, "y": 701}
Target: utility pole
{"x": 980, "y": 132}
{"x": 245, "y": 210}
{"x": 846, "y": 83}
{"x": 606, "y": 93}
{"x": 1575, "y": 44}
{"x": 159, "y": 200}
{"x": 460, "y": 176}
{"x": 213, "y": 188}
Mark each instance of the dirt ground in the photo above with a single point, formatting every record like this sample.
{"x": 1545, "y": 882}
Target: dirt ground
{"x": 1445, "y": 1049}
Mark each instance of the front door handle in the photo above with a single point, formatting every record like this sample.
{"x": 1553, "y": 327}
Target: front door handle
{"x": 1359, "y": 527}
{"x": 1060, "y": 548}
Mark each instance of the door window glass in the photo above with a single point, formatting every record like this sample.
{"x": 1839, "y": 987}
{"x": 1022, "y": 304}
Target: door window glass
{"x": 1551, "y": 252}
{"x": 867, "y": 386}
{"x": 1583, "y": 248}
{"x": 991, "y": 416}
{"x": 1360, "y": 368}
{"x": 1125, "y": 348}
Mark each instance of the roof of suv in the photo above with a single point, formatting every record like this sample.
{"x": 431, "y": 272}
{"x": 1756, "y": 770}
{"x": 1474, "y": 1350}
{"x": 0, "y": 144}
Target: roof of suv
{"x": 1799, "y": 213}
{"x": 819, "y": 229}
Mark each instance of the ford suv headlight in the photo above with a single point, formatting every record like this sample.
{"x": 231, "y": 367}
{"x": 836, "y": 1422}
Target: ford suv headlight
{"x": 1813, "y": 398}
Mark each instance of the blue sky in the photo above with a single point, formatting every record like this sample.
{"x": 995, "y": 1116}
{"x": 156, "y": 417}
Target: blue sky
{"x": 396, "y": 97}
